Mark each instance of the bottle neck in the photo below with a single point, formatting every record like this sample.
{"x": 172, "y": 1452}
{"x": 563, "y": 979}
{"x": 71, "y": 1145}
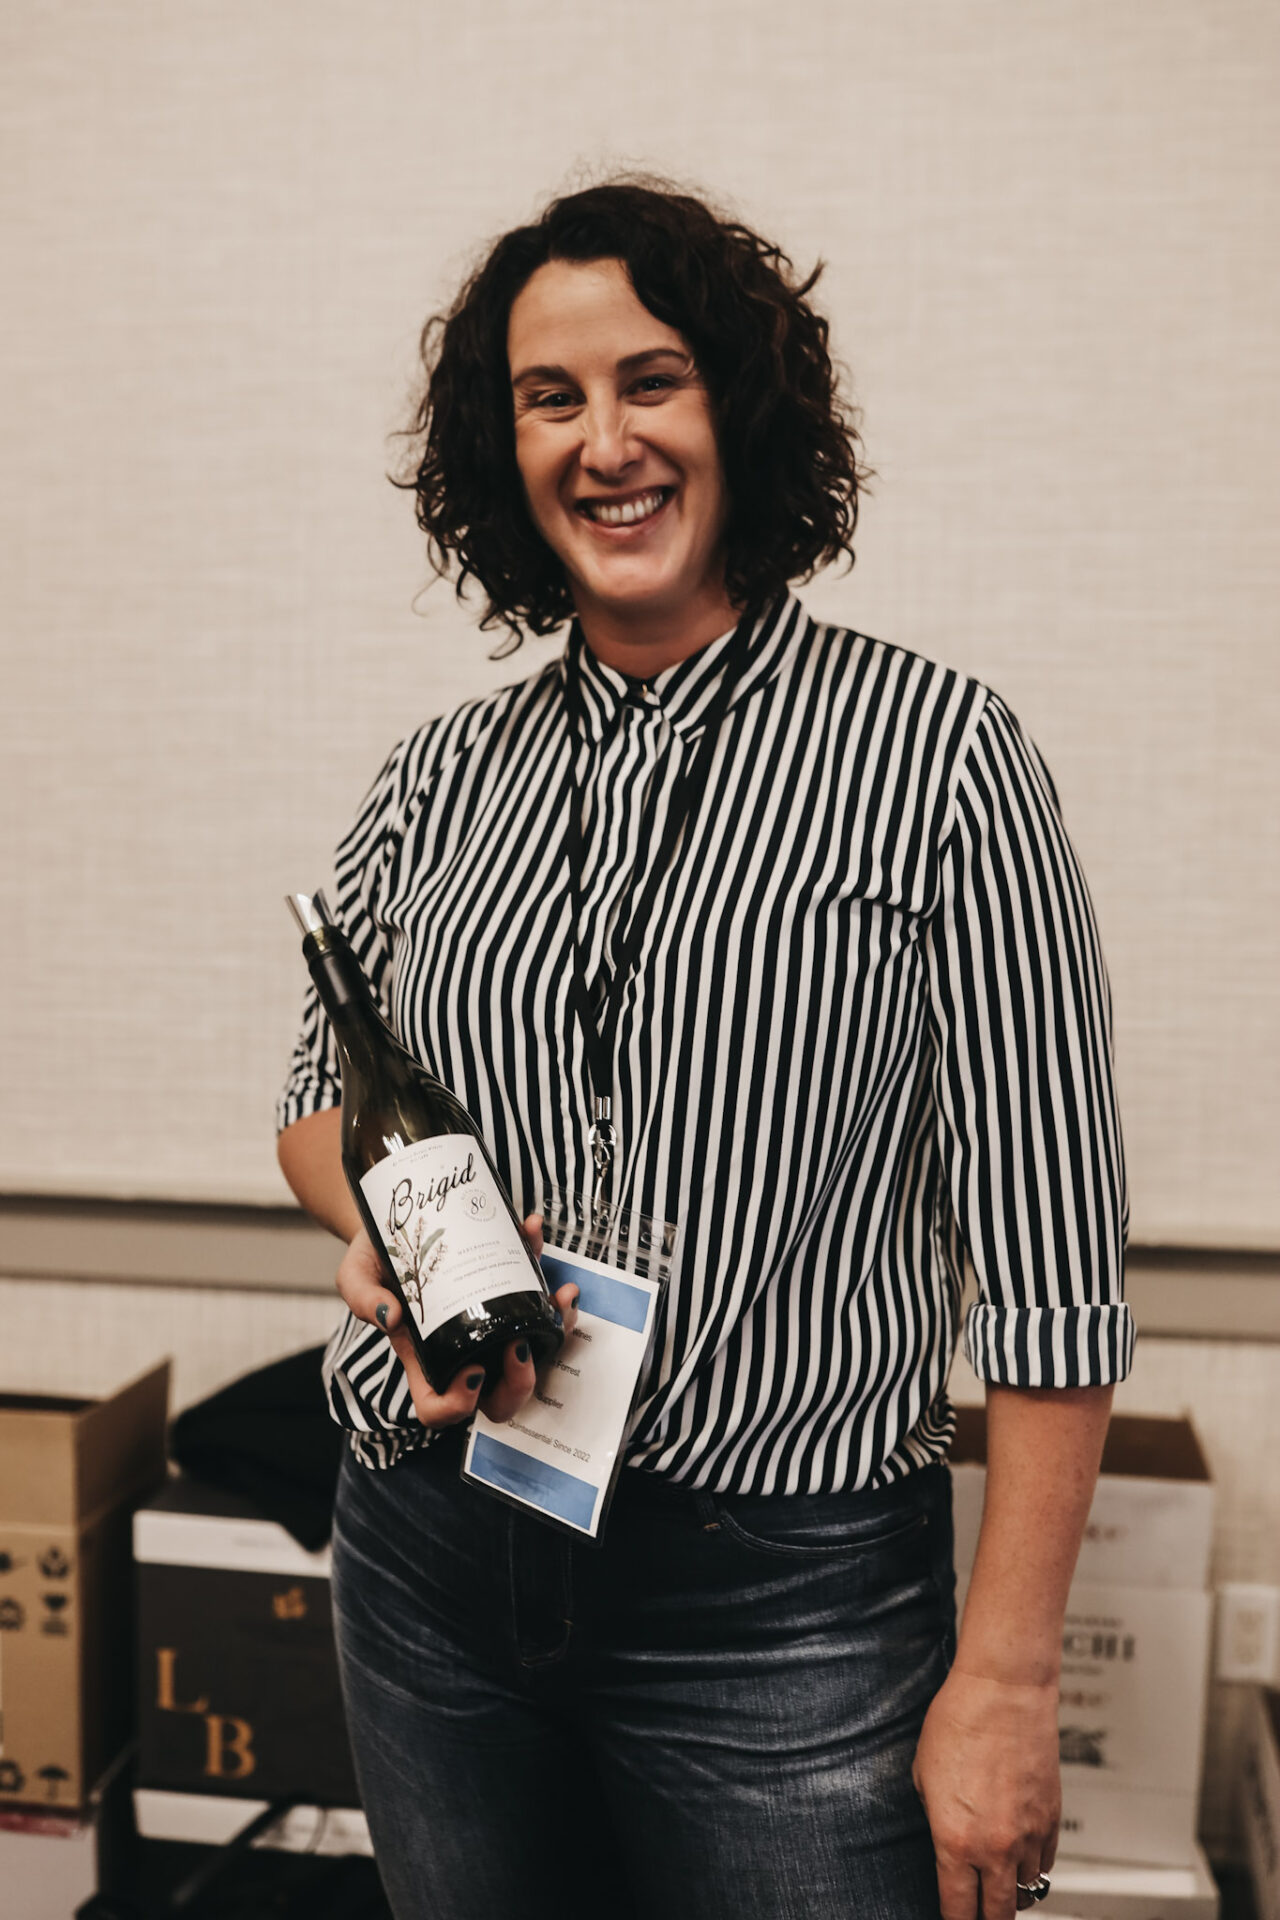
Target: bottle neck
{"x": 344, "y": 993}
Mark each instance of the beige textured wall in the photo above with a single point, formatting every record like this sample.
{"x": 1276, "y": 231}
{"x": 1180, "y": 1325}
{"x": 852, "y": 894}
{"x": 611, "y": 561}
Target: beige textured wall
{"x": 1050, "y": 233}
{"x": 86, "y": 1337}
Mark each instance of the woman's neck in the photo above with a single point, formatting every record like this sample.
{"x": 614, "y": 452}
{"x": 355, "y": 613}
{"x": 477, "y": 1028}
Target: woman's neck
{"x": 642, "y": 645}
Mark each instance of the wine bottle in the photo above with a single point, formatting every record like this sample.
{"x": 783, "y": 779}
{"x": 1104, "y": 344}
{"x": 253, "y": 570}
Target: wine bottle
{"x": 430, "y": 1197}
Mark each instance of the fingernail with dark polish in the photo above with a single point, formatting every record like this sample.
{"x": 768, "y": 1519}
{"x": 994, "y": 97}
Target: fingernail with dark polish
{"x": 522, "y": 1351}
{"x": 381, "y": 1316}
{"x": 474, "y": 1380}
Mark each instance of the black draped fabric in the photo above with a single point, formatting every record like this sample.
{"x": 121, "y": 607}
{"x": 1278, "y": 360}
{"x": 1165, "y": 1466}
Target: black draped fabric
{"x": 270, "y": 1437}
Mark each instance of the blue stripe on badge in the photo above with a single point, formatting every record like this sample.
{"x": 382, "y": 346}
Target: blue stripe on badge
{"x": 600, "y": 1293}
{"x": 538, "y": 1481}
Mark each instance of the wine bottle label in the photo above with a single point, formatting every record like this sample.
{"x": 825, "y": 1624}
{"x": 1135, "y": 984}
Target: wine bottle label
{"x": 446, "y": 1228}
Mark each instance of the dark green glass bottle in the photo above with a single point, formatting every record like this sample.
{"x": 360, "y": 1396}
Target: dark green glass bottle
{"x": 433, "y": 1204}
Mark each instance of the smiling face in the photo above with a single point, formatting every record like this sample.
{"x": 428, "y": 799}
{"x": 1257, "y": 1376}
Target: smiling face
{"x": 617, "y": 451}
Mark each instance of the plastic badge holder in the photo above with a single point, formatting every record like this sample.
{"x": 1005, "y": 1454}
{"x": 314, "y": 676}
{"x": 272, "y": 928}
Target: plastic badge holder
{"x": 560, "y": 1457}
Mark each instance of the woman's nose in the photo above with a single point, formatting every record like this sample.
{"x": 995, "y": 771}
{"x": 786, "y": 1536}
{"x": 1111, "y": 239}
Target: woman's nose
{"x": 608, "y": 443}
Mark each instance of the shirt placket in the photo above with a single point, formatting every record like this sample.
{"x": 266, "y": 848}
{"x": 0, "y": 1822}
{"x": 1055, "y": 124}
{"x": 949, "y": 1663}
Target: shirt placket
{"x": 614, "y": 861}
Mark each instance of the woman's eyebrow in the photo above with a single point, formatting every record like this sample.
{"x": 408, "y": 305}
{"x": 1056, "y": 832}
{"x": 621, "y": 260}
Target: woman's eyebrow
{"x": 627, "y": 364}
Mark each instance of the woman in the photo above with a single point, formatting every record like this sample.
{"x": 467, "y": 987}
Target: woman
{"x": 863, "y": 1025}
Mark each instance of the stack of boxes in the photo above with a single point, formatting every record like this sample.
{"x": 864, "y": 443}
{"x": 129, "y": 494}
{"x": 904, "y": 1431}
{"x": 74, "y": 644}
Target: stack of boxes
{"x": 1134, "y": 1672}
{"x": 71, "y": 1471}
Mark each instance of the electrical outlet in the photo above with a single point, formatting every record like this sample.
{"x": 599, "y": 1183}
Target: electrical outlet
{"x": 1248, "y": 1633}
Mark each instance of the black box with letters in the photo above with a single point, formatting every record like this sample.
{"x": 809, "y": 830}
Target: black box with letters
{"x": 238, "y": 1676}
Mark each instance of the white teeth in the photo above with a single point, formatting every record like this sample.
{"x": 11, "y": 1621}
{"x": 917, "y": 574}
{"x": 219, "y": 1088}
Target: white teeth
{"x": 628, "y": 512}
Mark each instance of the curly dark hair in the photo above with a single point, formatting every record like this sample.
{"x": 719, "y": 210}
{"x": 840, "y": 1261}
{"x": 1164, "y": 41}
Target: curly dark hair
{"x": 789, "y": 449}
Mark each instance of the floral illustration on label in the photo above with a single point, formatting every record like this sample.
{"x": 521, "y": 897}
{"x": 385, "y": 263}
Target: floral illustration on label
{"x": 415, "y": 1254}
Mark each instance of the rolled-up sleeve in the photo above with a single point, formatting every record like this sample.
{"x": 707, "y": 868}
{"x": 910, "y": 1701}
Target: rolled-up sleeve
{"x": 1024, "y": 1077}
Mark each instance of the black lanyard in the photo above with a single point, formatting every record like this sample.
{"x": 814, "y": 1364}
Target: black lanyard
{"x": 600, "y": 1031}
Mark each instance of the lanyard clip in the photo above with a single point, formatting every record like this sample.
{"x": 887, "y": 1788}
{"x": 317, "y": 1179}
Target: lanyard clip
{"x": 603, "y": 1141}
{"x": 602, "y": 1138}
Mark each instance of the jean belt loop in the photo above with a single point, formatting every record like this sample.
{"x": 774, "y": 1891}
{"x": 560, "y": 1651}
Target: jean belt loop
{"x": 704, "y": 1506}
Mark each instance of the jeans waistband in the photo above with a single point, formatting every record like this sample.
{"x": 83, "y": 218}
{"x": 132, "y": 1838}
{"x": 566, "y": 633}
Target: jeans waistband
{"x": 639, "y": 1487}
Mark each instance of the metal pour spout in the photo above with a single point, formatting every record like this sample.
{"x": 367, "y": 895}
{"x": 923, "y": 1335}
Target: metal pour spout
{"x": 310, "y": 910}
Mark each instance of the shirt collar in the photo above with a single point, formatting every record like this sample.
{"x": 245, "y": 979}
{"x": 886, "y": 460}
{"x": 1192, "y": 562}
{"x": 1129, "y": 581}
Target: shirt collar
{"x": 684, "y": 693}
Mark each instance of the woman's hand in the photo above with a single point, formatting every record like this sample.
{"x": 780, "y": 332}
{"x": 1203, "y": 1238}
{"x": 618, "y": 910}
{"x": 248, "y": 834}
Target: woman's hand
{"x": 986, "y": 1769}
{"x": 987, "y": 1763}
{"x": 360, "y": 1282}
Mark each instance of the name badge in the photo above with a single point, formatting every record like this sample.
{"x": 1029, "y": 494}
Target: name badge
{"x": 560, "y": 1456}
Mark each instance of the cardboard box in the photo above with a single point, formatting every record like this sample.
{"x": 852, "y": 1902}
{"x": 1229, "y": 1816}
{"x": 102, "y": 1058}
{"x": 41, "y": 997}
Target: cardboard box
{"x": 1151, "y": 1521}
{"x": 238, "y": 1675}
{"x": 1135, "y": 1672}
{"x": 1088, "y": 1890}
{"x": 1127, "y": 1827}
{"x": 70, "y": 1472}
{"x": 1260, "y": 1809}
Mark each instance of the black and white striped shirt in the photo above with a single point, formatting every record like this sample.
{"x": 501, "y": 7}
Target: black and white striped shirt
{"x": 869, "y": 1028}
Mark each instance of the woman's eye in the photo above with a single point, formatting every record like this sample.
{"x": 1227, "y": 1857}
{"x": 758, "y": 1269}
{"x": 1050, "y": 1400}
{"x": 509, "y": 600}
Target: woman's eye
{"x": 655, "y": 383}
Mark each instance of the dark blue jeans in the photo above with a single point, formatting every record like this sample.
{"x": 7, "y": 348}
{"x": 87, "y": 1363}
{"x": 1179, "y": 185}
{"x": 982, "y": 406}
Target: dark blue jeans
{"x": 712, "y": 1717}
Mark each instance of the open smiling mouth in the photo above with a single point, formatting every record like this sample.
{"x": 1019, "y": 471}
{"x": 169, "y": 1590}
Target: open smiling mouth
{"x": 626, "y": 513}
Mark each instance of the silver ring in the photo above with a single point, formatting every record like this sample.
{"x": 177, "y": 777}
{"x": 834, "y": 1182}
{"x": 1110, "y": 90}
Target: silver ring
{"x": 1039, "y": 1888}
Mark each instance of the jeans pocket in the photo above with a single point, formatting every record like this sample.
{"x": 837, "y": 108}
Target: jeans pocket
{"x": 822, "y": 1526}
